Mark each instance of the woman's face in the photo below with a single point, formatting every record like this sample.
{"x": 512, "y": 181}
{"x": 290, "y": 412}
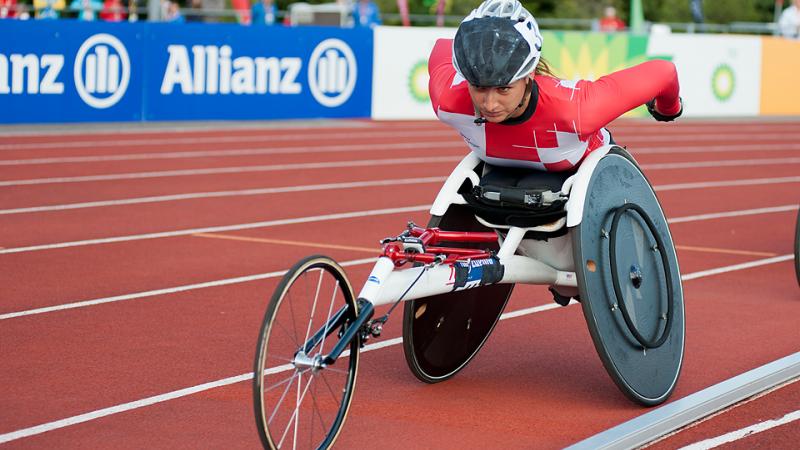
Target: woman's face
{"x": 497, "y": 104}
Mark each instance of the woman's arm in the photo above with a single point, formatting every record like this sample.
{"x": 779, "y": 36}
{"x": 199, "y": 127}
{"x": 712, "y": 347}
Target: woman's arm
{"x": 441, "y": 71}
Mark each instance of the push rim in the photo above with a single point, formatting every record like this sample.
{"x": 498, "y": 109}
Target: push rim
{"x": 299, "y": 402}
{"x": 661, "y": 249}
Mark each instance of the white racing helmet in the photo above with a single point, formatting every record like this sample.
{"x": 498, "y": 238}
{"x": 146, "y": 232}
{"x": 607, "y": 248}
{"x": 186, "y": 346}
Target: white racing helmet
{"x": 497, "y": 43}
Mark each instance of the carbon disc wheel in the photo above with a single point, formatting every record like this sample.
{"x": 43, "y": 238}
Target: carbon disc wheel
{"x": 629, "y": 281}
{"x": 300, "y": 402}
{"x": 797, "y": 249}
{"x": 442, "y": 333}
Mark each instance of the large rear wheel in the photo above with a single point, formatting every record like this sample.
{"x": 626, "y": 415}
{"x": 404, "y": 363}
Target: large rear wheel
{"x": 797, "y": 249}
{"x": 300, "y": 402}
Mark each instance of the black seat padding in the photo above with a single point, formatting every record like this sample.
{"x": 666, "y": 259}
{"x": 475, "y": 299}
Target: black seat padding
{"x": 517, "y": 215}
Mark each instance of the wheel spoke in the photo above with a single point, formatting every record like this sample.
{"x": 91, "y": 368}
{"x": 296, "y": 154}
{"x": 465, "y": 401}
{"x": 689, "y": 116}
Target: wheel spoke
{"x": 328, "y": 319}
{"x": 330, "y": 389}
{"x": 294, "y": 414}
{"x": 274, "y": 385}
{"x": 290, "y": 301}
{"x": 314, "y": 305}
{"x": 280, "y": 400}
{"x": 299, "y": 405}
{"x": 292, "y": 336}
{"x": 297, "y": 410}
{"x": 319, "y": 415}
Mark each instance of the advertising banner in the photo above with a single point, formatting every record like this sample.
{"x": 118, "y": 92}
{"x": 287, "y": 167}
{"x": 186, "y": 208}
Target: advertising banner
{"x": 780, "y": 66}
{"x": 235, "y": 72}
{"x": 400, "y": 84}
{"x": 69, "y": 71}
{"x": 400, "y": 80}
{"x": 720, "y": 75}
{"x": 588, "y": 56}
{"x": 53, "y": 71}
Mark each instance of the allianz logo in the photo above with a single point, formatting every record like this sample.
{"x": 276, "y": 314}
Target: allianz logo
{"x": 101, "y": 72}
{"x": 30, "y": 74}
{"x": 213, "y": 70}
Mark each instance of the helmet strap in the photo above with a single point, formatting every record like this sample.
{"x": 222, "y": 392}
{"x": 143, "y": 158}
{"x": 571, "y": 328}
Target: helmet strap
{"x": 525, "y": 96}
{"x": 481, "y": 120}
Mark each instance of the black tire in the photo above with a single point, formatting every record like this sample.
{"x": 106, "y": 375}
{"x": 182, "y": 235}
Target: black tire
{"x": 307, "y": 296}
{"x": 797, "y": 249}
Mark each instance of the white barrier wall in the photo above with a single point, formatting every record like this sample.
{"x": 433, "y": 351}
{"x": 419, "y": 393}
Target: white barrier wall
{"x": 720, "y": 75}
{"x": 400, "y": 75}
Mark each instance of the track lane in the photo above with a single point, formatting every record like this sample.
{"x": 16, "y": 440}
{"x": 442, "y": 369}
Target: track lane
{"x": 562, "y": 369}
{"x": 770, "y": 406}
{"x": 138, "y": 313}
{"x": 407, "y": 431}
{"x": 143, "y": 257}
{"x": 190, "y": 257}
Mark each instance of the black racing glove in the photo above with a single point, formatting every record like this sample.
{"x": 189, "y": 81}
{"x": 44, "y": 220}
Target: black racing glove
{"x": 651, "y": 108}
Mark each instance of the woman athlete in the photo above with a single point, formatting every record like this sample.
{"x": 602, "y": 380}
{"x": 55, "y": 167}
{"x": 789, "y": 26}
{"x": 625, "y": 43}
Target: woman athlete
{"x": 490, "y": 85}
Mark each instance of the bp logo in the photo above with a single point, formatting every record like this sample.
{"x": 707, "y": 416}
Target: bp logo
{"x": 332, "y": 72}
{"x": 723, "y": 82}
{"x": 102, "y": 71}
{"x": 418, "y": 82}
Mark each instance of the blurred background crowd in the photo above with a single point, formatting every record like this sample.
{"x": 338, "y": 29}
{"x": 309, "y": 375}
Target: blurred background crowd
{"x": 745, "y": 16}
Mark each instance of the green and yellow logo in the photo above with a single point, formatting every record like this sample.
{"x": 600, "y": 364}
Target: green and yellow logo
{"x": 418, "y": 82}
{"x": 588, "y": 56}
{"x": 723, "y": 82}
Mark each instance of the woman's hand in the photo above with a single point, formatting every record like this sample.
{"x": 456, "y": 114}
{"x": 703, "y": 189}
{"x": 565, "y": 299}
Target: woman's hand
{"x": 651, "y": 108}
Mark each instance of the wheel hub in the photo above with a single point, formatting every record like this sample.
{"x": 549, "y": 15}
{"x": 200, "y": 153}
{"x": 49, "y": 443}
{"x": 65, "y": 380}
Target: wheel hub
{"x": 303, "y": 362}
{"x": 636, "y": 276}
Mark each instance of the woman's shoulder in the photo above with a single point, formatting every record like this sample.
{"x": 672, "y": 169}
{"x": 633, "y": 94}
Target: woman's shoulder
{"x": 456, "y": 99}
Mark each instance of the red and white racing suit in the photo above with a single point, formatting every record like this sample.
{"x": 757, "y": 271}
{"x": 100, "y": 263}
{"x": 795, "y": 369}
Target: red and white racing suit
{"x": 569, "y": 117}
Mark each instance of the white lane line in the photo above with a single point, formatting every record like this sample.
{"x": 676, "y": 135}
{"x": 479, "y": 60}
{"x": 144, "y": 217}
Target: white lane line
{"x": 747, "y": 265}
{"x": 726, "y": 183}
{"x": 218, "y": 229}
{"x": 237, "y": 152}
{"x": 632, "y": 134}
{"x": 647, "y": 150}
{"x": 722, "y": 163}
{"x": 164, "y": 291}
{"x": 643, "y": 150}
{"x": 349, "y": 163}
{"x": 235, "y": 280}
{"x": 39, "y": 429}
{"x": 239, "y": 169}
{"x": 662, "y": 137}
{"x": 261, "y": 191}
{"x": 235, "y": 193}
{"x": 380, "y": 212}
{"x": 744, "y": 432}
{"x": 74, "y": 420}
{"x": 744, "y": 212}
{"x": 294, "y": 136}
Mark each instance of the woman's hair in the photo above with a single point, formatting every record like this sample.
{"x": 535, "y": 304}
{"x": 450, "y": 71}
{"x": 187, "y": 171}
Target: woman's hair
{"x": 543, "y": 68}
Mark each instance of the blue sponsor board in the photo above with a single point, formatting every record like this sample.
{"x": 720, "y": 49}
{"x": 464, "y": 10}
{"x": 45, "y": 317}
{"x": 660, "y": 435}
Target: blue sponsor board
{"x": 68, "y": 71}
{"x": 53, "y": 71}
{"x": 247, "y": 72}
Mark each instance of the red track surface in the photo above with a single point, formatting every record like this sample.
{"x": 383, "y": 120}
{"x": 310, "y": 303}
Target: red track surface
{"x": 538, "y": 381}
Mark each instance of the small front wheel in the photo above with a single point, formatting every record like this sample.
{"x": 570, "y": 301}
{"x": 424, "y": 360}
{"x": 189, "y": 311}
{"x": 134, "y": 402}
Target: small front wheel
{"x": 300, "y": 401}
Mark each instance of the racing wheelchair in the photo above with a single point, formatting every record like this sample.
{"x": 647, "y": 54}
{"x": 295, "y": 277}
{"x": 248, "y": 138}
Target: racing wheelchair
{"x": 598, "y": 237}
